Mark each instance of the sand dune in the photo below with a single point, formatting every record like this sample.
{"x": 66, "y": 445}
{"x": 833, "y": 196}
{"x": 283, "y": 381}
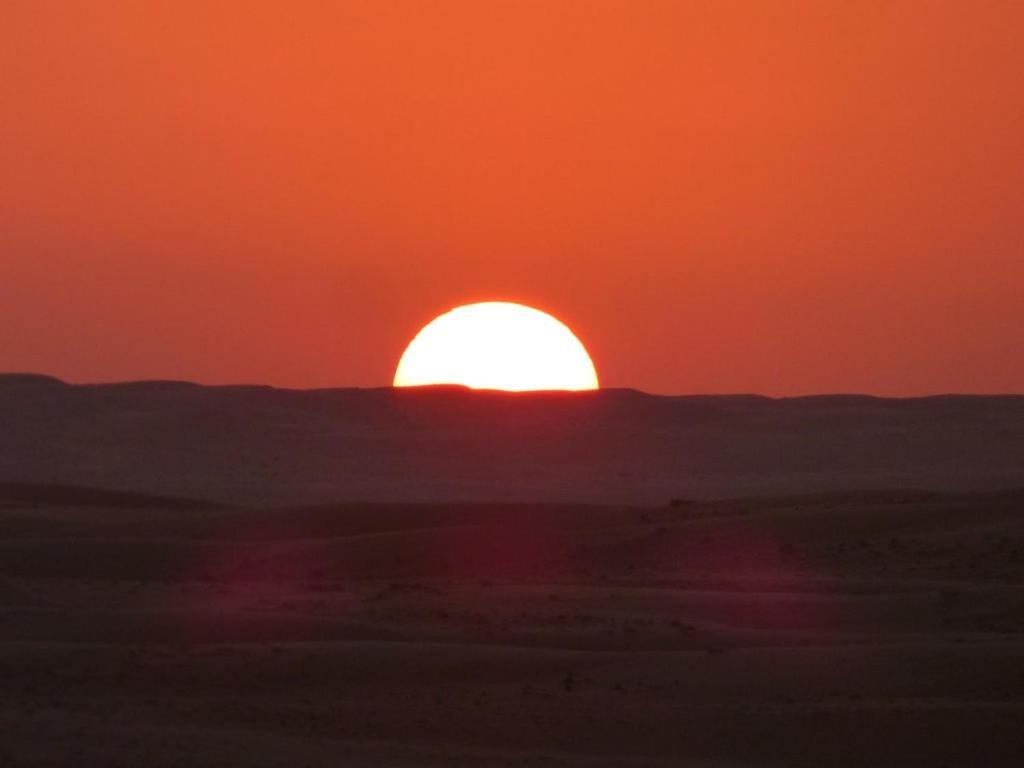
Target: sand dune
{"x": 258, "y": 445}
{"x": 514, "y": 580}
{"x": 877, "y": 629}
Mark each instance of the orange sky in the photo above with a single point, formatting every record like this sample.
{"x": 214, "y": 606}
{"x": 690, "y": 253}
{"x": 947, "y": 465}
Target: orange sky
{"x": 785, "y": 197}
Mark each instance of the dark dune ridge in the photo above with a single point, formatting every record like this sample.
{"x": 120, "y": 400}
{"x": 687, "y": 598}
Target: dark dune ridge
{"x": 259, "y": 445}
{"x": 882, "y": 629}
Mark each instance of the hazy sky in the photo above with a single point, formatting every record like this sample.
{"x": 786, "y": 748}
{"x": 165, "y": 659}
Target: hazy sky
{"x": 776, "y": 197}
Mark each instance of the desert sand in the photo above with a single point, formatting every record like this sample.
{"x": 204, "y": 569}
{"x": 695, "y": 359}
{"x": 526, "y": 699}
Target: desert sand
{"x": 245, "y": 576}
{"x": 836, "y": 629}
{"x": 274, "y": 447}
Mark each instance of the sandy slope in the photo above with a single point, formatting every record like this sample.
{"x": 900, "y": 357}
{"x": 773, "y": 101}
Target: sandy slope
{"x": 880, "y": 629}
{"x": 257, "y": 445}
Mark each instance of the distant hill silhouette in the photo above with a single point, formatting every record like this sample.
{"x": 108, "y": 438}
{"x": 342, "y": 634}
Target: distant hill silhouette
{"x": 260, "y": 445}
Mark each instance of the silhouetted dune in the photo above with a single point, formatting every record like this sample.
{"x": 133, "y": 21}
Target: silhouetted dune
{"x": 259, "y": 445}
{"x": 29, "y": 381}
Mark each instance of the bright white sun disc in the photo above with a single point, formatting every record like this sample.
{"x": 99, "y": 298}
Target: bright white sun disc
{"x": 497, "y": 345}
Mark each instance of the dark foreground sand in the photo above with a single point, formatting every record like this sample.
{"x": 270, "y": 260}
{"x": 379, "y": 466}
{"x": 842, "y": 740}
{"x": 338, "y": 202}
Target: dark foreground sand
{"x": 874, "y": 629}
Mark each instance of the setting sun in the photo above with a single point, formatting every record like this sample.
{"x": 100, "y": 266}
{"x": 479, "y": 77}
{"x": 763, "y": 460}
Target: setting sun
{"x": 497, "y": 345}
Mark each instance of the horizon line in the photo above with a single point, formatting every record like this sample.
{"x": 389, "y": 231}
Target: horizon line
{"x": 460, "y": 388}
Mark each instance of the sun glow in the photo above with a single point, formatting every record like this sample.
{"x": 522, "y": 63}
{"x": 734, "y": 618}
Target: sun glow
{"x": 497, "y": 345}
